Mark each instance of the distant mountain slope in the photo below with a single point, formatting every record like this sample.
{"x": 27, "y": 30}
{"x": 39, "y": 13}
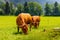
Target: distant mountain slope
{"x": 42, "y": 2}
{"x": 39, "y": 1}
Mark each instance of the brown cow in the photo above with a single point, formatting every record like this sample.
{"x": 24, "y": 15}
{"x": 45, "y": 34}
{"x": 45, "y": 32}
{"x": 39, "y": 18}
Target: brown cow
{"x": 35, "y": 21}
{"x": 23, "y": 20}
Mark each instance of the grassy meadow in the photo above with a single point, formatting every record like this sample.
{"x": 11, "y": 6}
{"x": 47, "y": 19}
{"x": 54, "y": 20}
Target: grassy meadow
{"x": 8, "y": 29}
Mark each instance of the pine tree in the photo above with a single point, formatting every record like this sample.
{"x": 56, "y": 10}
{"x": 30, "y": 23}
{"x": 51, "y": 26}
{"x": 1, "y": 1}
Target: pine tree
{"x": 47, "y": 10}
{"x": 56, "y": 9}
{"x": 7, "y": 8}
{"x": 26, "y": 9}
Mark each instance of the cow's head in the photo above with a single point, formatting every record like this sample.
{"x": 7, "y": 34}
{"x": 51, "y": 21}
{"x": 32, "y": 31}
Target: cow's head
{"x": 24, "y": 28}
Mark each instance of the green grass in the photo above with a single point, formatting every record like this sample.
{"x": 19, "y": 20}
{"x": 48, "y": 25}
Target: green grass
{"x": 8, "y": 29}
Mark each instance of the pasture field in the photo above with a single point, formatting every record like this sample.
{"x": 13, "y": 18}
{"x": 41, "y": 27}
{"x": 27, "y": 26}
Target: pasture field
{"x": 8, "y": 29}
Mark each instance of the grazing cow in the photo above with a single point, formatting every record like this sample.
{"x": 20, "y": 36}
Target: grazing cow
{"x": 23, "y": 20}
{"x": 35, "y": 21}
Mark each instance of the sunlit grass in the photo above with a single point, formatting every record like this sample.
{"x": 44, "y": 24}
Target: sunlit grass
{"x": 8, "y": 29}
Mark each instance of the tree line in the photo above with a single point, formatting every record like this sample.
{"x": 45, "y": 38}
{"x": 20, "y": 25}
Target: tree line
{"x": 52, "y": 10}
{"x": 33, "y": 8}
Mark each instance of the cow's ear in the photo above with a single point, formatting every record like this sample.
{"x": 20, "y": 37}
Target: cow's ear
{"x": 32, "y": 20}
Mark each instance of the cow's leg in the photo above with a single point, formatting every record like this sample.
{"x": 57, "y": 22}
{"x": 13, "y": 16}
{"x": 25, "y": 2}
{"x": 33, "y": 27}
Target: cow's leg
{"x": 38, "y": 24}
{"x": 35, "y": 25}
{"x": 30, "y": 26}
{"x": 18, "y": 29}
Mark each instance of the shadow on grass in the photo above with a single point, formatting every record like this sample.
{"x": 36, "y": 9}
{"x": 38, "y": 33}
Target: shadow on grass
{"x": 21, "y": 33}
{"x": 17, "y": 33}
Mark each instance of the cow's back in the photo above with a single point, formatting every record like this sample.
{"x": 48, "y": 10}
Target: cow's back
{"x": 24, "y": 18}
{"x": 27, "y": 18}
{"x": 36, "y": 18}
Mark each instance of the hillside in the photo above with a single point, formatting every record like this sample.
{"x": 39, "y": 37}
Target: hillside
{"x": 42, "y": 2}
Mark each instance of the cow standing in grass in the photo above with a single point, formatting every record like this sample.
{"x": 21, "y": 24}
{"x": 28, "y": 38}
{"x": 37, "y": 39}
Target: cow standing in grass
{"x": 23, "y": 20}
{"x": 35, "y": 21}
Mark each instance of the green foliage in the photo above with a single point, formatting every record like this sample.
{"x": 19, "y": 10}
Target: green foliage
{"x": 2, "y": 7}
{"x": 47, "y": 9}
{"x": 26, "y": 9}
{"x": 52, "y": 9}
{"x": 56, "y": 9}
{"x": 11, "y": 9}
{"x": 29, "y": 7}
{"x": 7, "y": 8}
{"x": 1, "y": 12}
{"x": 34, "y": 8}
{"x": 19, "y": 9}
